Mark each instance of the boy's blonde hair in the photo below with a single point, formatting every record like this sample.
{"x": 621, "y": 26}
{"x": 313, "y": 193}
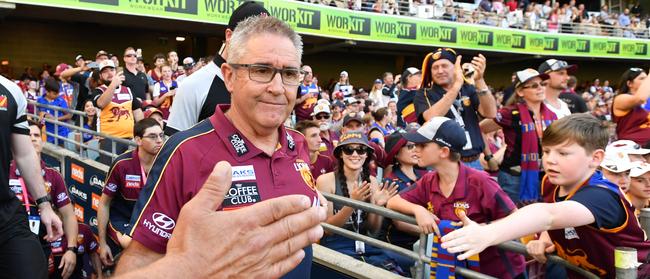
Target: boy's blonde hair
{"x": 581, "y": 128}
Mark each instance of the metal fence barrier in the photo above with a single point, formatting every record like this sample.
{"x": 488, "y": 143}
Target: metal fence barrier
{"x": 80, "y": 146}
{"x": 420, "y": 257}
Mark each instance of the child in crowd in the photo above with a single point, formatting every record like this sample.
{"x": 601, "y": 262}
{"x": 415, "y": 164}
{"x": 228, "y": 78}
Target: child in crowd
{"x": 455, "y": 190}
{"x": 586, "y": 216}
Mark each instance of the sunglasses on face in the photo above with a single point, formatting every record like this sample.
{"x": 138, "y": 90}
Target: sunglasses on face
{"x": 534, "y": 85}
{"x": 347, "y": 150}
{"x": 130, "y": 55}
{"x": 322, "y": 116}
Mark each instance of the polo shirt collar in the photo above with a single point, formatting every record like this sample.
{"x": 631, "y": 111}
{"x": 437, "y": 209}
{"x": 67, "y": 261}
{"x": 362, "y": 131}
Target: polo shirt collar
{"x": 460, "y": 189}
{"x": 238, "y": 145}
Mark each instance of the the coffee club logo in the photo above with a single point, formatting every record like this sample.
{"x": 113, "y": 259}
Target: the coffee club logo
{"x": 174, "y": 6}
{"x": 353, "y": 24}
{"x": 303, "y": 18}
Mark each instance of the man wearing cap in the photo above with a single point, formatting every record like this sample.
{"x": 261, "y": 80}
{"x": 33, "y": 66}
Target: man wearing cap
{"x": 411, "y": 79}
{"x": 79, "y": 75}
{"x": 188, "y": 66}
{"x": 134, "y": 79}
{"x": 101, "y": 56}
{"x": 444, "y": 93}
{"x": 329, "y": 139}
{"x": 119, "y": 109}
{"x": 630, "y": 148}
{"x": 318, "y": 163}
{"x": 201, "y": 92}
{"x": 454, "y": 188}
{"x": 558, "y": 72}
{"x": 308, "y": 93}
{"x": 352, "y": 106}
{"x": 268, "y": 160}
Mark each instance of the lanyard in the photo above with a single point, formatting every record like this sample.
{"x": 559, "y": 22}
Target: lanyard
{"x": 25, "y": 198}
{"x": 453, "y": 109}
{"x": 144, "y": 175}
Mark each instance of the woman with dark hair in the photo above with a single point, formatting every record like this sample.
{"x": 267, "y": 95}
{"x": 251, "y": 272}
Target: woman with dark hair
{"x": 382, "y": 121}
{"x": 627, "y": 108}
{"x": 352, "y": 179}
{"x": 523, "y": 120}
{"x": 158, "y": 61}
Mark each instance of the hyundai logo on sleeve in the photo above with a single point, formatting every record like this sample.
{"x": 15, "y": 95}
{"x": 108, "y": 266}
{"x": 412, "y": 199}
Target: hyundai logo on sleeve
{"x": 163, "y": 221}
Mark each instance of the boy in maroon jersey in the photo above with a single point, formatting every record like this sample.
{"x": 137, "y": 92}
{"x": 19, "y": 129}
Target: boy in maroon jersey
{"x": 584, "y": 215}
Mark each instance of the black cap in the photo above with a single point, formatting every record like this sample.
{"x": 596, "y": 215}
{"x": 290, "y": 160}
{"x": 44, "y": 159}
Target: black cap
{"x": 552, "y": 65}
{"x": 244, "y": 11}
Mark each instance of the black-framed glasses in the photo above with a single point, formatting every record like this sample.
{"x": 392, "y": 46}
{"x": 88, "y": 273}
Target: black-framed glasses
{"x": 130, "y": 55}
{"x": 321, "y": 116}
{"x": 265, "y": 73}
{"x": 154, "y": 136}
{"x": 347, "y": 150}
{"x": 534, "y": 85}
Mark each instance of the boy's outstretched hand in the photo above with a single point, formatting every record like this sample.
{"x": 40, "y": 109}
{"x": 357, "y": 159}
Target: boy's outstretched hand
{"x": 469, "y": 240}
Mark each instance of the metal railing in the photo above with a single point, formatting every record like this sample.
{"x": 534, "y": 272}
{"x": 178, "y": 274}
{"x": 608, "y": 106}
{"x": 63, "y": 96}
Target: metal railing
{"x": 470, "y": 13}
{"x": 80, "y": 146}
{"x": 420, "y": 257}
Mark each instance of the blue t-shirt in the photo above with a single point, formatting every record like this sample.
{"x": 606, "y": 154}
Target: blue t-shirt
{"x": 49, "y": 127}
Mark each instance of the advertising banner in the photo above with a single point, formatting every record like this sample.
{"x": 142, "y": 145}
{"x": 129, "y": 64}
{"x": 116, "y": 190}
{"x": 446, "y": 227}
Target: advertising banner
{"x": 85, "y": 184}
{"x": 321, "y": 20}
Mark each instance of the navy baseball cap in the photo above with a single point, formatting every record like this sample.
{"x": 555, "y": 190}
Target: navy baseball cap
{"x": 441, "y": 130}
{"x": 553, "y": 65}
{"x": 244, "y": 11}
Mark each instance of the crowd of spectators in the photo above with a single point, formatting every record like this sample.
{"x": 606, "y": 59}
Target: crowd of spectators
{"x": 550, "y": 16}
{"x": 355, "y": 130}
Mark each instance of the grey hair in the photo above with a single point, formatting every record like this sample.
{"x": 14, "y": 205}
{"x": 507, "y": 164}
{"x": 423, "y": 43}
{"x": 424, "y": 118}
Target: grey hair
{"x": 256, "y": 25}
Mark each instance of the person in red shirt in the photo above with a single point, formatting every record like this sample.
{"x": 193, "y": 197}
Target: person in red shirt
{"x": 632, "y": 121}
{"x": 455, "y": 190}
{"x": 584, "y": 217}
{"x": 58, "y": 193}
{"x": 329, "y": 139}
{"x": 126, "y": 177}
{"x": 318, "y": 163}
{"x": 268, "y": 161}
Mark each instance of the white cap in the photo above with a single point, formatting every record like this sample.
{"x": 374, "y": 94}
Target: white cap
{"x": 628, "y": 147}
{"x": 344, "y": 73}
{"x": 350, "y": 100}
{"x": 106, "y": 63}
{"x": 639, "y": 168}
{"x": 526, "y": 75}
{"x": 322, "y": 107}
{"x": 616, "y": 161}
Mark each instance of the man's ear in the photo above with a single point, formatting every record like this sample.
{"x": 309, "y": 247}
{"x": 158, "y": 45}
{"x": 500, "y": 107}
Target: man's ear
{"x": 229, "y": 76}
{"x": 138, "y": 141}
{"x": 597, "y": 157}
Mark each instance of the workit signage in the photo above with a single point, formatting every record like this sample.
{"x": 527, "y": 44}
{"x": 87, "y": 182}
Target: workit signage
{"x": 320, "y": 20}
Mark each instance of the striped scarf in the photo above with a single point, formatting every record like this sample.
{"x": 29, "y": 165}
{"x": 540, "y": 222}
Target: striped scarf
{"x": 530, "y": 138}
{"x": 443, "y": 263}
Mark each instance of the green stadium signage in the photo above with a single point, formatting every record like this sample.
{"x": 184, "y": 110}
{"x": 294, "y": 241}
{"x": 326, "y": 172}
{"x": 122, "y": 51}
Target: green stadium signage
{"x": 326, "y": 21}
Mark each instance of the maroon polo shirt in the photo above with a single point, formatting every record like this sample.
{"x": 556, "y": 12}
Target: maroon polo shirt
{"x": 54, "y": 185}
{"x": 187, "y": 159}
{"x": 482, "y": 200}
{"x": 322, "y": 165}
{"x": 124, "y": 181}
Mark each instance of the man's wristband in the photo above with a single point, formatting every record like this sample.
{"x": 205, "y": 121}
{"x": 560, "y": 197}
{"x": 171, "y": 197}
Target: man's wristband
{"x": 483, "y": 92}
{"x": 488, "y": 157}
{"x": 43, "y": 199}
{"x": 73, "y": 249}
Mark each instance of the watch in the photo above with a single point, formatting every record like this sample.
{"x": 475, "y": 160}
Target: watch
{"x": 43, "y": 199}
{"x": 73, "y": 249}
{"x": 488, "y": 157}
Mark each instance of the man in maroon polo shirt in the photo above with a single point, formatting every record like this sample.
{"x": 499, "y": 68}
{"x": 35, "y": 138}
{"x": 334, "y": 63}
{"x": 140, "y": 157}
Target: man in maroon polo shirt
{"x": 318, "y": 163}
{"x": 267, "y": 160}
{"x": 125, "y": 179}
{"x": 55, "y": 188}
{"x": 456, "y": 188}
